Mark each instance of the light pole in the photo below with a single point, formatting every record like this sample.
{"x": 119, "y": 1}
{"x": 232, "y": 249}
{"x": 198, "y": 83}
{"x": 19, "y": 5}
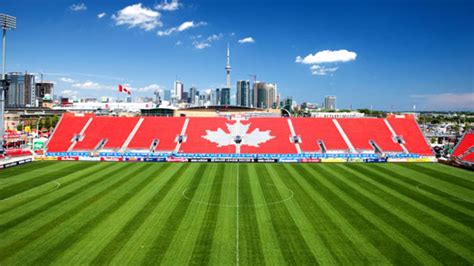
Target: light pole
{"x": 6, "y": 23}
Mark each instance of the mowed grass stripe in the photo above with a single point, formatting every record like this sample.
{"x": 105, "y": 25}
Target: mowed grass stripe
{"x": 60, "y": 216}
{"x": 421, "y": 201}
{"x": 223, "y": 247}
{"x": 13, "y": 189}
{"x": 419, "y": 232}
{"x": 52, "y": 202}
{"x": 26, "y": 201}
{"x": 251, "y": 251}
{"x": 338, "y": 223}
{"x": 292, "y": 244}
{"x": 334, "y": 249}
{"x": 101, "y": 206}
{"x": 447, "y": 177}
{"x": 179, "y": 252}
{"x": 458, "y": 209}
{"x": 385, "y": 237}
{"x": 137, "y": 247}
{"x": 306, "y": 217}
{"x": 448, "y": 169}
{"x": 270, "y": 244}
{"x": 161, "y": 243}
{"x": 202, "y": 251}
{"x": 448, "y": 187}
{"x": 438, "y": 222}
{"x": 29, "y": 168}
{"x": 107, "y": 253}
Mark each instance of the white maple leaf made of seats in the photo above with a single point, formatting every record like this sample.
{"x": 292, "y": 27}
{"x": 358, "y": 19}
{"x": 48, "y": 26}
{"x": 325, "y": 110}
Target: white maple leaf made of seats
{"x": 253, "y": 139}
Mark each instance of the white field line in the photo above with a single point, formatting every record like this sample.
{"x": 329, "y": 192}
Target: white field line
{"x": 206, "y": 203}
{"x": 237, "y": 219}
{"x": 28, "y": 196}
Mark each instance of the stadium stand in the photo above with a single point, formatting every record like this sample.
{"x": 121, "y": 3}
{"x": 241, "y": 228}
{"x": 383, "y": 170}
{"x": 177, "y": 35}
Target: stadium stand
{"x": 106, "y": 133}
{"x": 165, "y": 130}
{"x": 366, "y": 133}
{"x": 409, "y": 133}
{"x": 464, "y": 149}
{"x": 197, "y": 128}
{"x": 17, "y": 153}
{"x": 68, "y": 127}
{"x": 318, "y": 133}
{"x": 256, "y": 135}
{"x": 280, "y": 141}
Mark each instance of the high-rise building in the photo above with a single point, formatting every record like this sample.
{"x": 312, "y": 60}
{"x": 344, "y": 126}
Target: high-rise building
{"x": 225, "y": 96}
{"x": 44, "y": 92}
{"x": 178, "y": 90}
{"x": 243, "y": 93}
{"x": 21, "y": 90}
{"x": 192, "y": 95}
{"x": 272, "y": 99}
{"x": 227, "y": 67}
{"x": 330, "y": 102}
{"x": 265, "y": 95}
{"x": 167, "y": 95}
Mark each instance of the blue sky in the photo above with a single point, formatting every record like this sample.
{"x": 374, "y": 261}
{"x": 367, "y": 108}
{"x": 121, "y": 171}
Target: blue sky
{"x": 385, "y": 54}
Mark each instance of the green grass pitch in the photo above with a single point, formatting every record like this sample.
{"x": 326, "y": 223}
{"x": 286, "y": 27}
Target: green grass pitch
{"x": 70, "y": 213}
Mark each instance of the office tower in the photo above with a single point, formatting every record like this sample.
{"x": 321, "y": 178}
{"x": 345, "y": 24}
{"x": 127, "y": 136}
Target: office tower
{"x": 225, "y": 96}
{"x": 167, "y": 95}
{"x": 243, "y": 93}
{"x": 330, "y": 102}
{"x": 192, "y": 94}
{"x": 21, "y": 90}
{"x": 178, "y": 90}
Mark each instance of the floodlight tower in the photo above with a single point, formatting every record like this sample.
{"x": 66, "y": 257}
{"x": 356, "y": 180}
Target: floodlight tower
{"x": 6, "y": 23}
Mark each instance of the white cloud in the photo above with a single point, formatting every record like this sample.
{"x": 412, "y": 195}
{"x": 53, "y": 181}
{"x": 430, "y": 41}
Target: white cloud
{"x": 101, "y": 15}
{"x": 178, "y": 43}
{"x": 201, "y": 44}
{"x": 247, "y": 40}
{"x": 318, "y": 70}
{"x": 138, "y": 16}
{"x": 171, "y": 6}
{"x": 184, "y": 26}
{"x": 90, "y": 85}
{"x": 445, "y": 101}
{"x": 149, "y": 88}
{"x": 78, "y": 7}
{"x": 67, "y": 80}
{"x": 69, "y": 93}
{"x": 327, "y": 56}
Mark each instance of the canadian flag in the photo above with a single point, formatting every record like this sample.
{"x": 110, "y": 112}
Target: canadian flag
{"x": 123, "y": 89}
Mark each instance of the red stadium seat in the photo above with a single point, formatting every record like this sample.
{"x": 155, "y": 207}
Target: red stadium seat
{"x": 114, "y": 129}
{"x": 163, "y": 129}
{"x": 361, "y": 131}
{"x": 67, "y": 128}
{"x": 463, "y": 150}
{"x": 408, "y": 129}
{"x": 311, "y": 130}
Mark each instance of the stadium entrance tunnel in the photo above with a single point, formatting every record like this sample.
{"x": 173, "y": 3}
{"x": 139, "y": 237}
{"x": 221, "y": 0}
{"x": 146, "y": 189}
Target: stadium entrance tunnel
{"x": 230, "y": 198}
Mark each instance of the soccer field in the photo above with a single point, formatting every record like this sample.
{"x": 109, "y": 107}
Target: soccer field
{"x": 69, "y": 213}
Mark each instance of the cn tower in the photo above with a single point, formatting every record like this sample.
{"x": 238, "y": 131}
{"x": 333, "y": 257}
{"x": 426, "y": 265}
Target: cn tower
{"x": 227, "y": 66}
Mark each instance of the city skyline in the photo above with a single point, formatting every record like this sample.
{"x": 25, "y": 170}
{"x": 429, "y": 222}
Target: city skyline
{"x": 393, "y": 55}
